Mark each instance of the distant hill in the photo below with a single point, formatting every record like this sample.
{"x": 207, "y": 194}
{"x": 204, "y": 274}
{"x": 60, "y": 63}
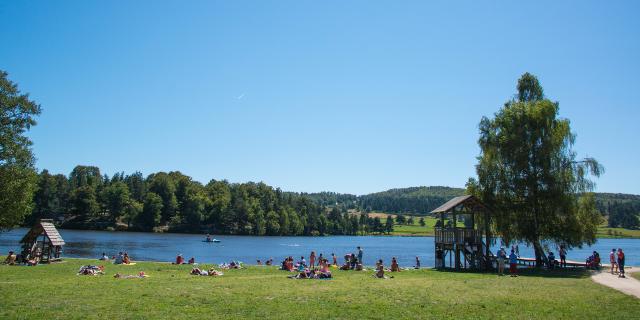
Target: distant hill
{"x": 421, "y": 200}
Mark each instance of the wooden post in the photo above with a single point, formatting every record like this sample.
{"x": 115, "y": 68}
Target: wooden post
{"x": 456, "y": 247}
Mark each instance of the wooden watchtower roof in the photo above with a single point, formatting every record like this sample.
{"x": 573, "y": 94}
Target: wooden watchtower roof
{"x": 46, "y": 227}
{"x": 469, "y": 202}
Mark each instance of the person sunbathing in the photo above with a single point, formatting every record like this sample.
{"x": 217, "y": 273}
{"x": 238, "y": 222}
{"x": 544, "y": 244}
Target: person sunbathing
{"x": 11, "y": 259}
{"x": 269, "y": 262}
{"x": 179, "y": 259}
{"x": 192, "y": 260}
{"x": 126, "y": 259}
{"x": 213, "y": 272}
{"x": 119, "y": 258}
{"x": 394, "y": 265}
{"x": 379, "y": 270}
{"x": 104, "y": 257}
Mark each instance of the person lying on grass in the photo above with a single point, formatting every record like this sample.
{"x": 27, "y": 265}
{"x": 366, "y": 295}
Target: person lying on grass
{"x": 120, "y": 276}
{"x": 212, "y": 272}
{"x": 91, "y": 270}
{"x": 231, "y": 265}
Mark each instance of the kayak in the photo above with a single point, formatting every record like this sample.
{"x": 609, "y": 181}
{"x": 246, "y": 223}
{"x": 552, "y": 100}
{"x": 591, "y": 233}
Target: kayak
{"x": 212, "y": 240}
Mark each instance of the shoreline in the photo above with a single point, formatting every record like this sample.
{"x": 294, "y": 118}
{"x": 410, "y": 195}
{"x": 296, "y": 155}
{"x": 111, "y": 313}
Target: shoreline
{"x": 292, "y": 236}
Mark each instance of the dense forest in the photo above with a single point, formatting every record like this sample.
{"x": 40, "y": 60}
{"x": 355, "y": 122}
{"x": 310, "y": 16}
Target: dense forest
{"x": 173, "y": 202}
{"x": 621, "y": 210}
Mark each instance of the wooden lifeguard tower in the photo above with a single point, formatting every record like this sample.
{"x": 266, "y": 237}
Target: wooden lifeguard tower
{"x": 42, "y": 243}
{"x": 463, "y": 246}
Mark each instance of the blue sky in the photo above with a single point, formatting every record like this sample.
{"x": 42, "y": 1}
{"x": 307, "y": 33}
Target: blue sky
{"x": 345, "y": 96}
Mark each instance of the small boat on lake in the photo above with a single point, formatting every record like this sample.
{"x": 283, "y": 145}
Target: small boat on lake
{"x": 209, "y": 239}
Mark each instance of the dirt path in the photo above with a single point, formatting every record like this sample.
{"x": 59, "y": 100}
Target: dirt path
{"x": 628, "y": 285}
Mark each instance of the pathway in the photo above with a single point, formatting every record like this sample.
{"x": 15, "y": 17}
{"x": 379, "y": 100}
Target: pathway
{"x": 628, "y": 285}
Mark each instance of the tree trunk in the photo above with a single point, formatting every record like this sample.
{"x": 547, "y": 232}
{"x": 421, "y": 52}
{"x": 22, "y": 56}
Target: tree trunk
{"x": 539, "y": 251}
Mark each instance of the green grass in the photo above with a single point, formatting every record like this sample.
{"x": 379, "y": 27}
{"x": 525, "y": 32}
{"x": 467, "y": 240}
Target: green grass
{"x": 427, "y": 230}
{"x": 54, "y": 291}
{"x": 606, "y": 232}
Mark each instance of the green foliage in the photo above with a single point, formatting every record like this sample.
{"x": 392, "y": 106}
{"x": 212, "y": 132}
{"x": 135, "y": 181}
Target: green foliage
{"x": 151, "y": 212}
{"x": 116, "y": 198}
{"x": 529, "y": 176}
{"x": 17, "y": 173}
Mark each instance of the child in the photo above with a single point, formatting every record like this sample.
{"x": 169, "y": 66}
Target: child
{"x": 513, "y": 263}
{"x": 612, "y": 260}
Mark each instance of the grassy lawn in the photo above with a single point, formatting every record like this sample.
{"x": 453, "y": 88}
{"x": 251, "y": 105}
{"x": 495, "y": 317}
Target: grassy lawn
{"x": 606, "y": 232}
{"x": 54, "y": 291}
{"x": 427, "y": 230}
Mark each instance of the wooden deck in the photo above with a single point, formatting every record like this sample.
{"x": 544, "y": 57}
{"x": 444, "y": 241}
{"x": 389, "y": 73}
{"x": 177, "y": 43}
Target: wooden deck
{"x": 532, "y": 262}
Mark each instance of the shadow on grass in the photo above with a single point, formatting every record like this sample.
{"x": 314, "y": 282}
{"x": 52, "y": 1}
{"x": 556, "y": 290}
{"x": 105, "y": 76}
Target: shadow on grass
{"x": 570, "y": 273}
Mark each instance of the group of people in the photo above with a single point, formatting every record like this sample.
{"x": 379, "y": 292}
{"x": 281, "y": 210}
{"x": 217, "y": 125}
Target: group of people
{"x": 90, "y": 270}
{"x": 121, "y": 258}
{"x": 14, "y": 259}
{"x": 201, "y": 272}
{"x": 268, "y": 262}
{"x": 616, "y": 258}
{"x": 180, "y": 260}
{"x": 502, "y": 257}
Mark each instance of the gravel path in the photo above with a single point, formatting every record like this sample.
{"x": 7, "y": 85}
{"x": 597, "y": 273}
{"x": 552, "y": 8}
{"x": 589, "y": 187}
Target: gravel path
{"x": 628, "y": 285}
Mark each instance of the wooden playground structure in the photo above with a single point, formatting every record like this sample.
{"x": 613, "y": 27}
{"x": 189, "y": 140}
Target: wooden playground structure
{"x": 43, "y": 243}
{"x": 463, "y": 246}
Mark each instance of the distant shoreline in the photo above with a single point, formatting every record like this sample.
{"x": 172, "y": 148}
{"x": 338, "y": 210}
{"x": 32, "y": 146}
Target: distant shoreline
{"x": 422, "y": 235}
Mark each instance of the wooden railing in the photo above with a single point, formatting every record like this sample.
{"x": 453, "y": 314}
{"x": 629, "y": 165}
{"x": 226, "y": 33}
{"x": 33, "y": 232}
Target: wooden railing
{"x": 463, "y": 235}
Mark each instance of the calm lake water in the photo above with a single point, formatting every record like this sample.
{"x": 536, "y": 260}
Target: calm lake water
{"x": 165, "y": 246}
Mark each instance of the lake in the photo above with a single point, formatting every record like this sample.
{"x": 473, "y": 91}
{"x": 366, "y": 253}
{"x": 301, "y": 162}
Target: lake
{"x": 165, "y": 247}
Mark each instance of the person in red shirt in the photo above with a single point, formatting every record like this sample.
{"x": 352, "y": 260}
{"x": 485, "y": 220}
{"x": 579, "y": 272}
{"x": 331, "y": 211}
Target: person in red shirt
{"x": 179, "y": 259}
{"x": 621, "y": 263}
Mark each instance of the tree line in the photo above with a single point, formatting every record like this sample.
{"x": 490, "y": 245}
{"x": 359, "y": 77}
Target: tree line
{"x": 174, "y": 202}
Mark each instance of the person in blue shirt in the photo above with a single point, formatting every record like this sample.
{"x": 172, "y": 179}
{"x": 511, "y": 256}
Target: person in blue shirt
{"x": 513, "y": 263}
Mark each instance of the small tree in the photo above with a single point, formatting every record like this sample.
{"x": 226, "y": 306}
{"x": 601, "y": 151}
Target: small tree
{"x": 410, "y": 221}
{"x": 422, "y": 223}
{"x": 388, "y": 226}
{"x": 400, "y": 219}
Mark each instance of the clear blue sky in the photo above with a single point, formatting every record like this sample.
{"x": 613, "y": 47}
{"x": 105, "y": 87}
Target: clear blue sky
{"x": 350, "y": 97}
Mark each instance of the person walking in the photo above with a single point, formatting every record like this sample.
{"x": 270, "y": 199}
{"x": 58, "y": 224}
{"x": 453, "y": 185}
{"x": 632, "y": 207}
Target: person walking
{"x": 563, "y": 256}
{"x": 360, "y": 256}
{"x": 513, "y": 263}
{"x": 612, "y": 261}
{"x": 502, "y": 255}
{"x": 621, "y": 263}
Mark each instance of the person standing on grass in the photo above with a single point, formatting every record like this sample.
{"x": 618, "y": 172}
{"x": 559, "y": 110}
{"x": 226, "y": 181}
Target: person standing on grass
{"x": 621, "y": 263}
{"x": 335, "y": 259}
{"x": 312, "y": 260}
{"x": 513, "y": 263}
{"x": 360, "y": 256}
{"x": 502, "y": 255}
{"x": 563, "y": 256}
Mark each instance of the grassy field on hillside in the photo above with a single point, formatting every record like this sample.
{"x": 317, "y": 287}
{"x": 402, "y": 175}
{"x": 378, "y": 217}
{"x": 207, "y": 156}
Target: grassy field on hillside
{"x": 416, "y": 230}
{"x": 55, "y": 291}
